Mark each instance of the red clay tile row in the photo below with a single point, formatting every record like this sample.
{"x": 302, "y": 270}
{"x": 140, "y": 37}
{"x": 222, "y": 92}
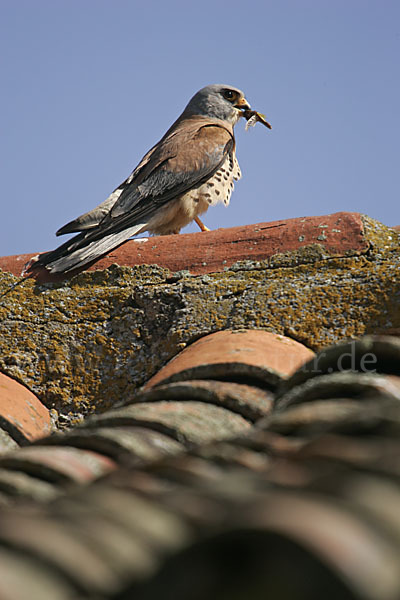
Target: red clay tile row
{"x": 233, "y": 516}
{"x": 213, "y": 251}
{"x": 108, "y": 538}
{"x": 235, "y": 375}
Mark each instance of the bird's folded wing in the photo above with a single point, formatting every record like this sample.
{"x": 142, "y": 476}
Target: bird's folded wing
{"x": 179, "y": 163}
{"x": 194, "y": 136}
{"x": 187, "y": 156}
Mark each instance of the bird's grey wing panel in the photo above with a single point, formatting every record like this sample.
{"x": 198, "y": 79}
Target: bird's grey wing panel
{"x": 191, "y": 164}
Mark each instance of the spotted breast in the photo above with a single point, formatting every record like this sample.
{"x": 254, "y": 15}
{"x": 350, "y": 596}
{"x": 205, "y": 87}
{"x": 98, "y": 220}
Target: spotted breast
{"x": 180, "y": 212}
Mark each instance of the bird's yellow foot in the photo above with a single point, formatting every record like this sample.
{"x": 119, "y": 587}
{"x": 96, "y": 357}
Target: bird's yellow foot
{"x": 201, "y": 224}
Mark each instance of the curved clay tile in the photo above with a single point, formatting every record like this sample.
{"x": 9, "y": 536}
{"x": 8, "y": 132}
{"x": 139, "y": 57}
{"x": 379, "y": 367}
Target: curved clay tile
{"x": 346, "y": 384}
{"x": 58, "y": 464}
{"x": 244, "y": 355}
{"x": 16, "y": 484}
{"x": 187, "y": 422}
{"x": 22, "y": 414}
{"x": 119, "y": 442}
{"x": 368, "y": 355}
{"x": 249, "y": 401}
{"x": 207, "y": 252}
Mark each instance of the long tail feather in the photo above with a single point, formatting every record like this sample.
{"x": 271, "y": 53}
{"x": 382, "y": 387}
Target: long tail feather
{"x": 76, "y": 255}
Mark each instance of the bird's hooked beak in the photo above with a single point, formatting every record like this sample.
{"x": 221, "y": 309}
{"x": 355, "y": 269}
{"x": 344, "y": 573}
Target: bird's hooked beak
{"x": 242, "y": 104}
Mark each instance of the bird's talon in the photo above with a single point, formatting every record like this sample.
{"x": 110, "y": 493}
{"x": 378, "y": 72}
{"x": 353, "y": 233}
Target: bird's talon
{"x": 201, "y": 224}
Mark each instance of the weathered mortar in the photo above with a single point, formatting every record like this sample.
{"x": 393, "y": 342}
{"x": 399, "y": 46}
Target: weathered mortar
{"x": 89, "y": 343}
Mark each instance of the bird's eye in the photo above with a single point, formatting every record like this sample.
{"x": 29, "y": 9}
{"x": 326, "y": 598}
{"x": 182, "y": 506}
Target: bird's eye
{"x": 229, "y": 94}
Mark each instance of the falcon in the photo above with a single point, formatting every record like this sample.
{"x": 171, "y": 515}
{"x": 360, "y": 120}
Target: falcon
{"x": 191, "y": 168}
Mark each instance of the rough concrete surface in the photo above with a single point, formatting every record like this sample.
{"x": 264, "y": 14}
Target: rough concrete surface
{"x": 89, "y": 343}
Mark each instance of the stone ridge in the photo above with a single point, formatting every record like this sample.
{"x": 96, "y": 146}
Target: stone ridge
{"x": 329, "y": 235}
{"x": 87, "y": 344}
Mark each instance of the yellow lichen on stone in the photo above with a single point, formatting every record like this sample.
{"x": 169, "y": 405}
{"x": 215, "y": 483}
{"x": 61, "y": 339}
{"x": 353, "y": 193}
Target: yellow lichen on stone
{"x": 89, "y": 343}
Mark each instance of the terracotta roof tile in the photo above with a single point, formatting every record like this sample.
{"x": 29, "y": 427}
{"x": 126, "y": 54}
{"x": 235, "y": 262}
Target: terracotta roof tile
{"x": 319, "y": 415}
{"x": 236, "y": 355}
{"x": 249, "y": 401}
{"x": 206, "y": 252}
{"x": 7, "y": 443}
{"x": 23, "y": 578}
{"x": 19, "y": 485}
{"x": 22, "y": 414}
{"x": 59, "y": 464}
{"x": 60, "y": 550}
{"x": 370, "y": 354}
{"x": 187, "y": 422}
{"x": 346, "y": 384}
{"x": 118, "y": 442}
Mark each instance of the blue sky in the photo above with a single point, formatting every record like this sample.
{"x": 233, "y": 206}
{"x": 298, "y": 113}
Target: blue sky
{"x": 89, "y": 86}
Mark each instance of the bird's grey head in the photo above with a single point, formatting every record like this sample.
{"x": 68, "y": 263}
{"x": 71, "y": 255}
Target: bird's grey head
{"x": 218, "y": 101}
